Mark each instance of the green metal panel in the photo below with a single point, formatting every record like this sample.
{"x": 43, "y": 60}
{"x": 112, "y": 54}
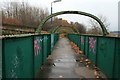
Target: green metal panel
{"x": 0, "y": 59}
{"x": 49, "y": 44}
{"x": 72, "y": 37}
{"x": 44, "y": 47}
{"x": 105, "y": 55}
{"x": 18, "y": 57}
{"x": 38, "y": 53}
{"x": 82, "y": 40}
{"x": 78, "y": 41}
{"x": 75, "y": 38}
{"x": 92, "y": 49}
{"x": 117, "y": 59}
{"x": 55, "y": 38}
{"x": 52, "y": 41}
{"x": 86, "y": 46}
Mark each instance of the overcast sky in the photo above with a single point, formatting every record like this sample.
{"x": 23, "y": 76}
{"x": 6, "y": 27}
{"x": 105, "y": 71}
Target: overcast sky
{"x": 108, "y": 8}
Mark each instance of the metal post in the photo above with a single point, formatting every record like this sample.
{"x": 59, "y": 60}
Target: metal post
{"x": 51, "y": 13}
{"x": 51, "y": 10}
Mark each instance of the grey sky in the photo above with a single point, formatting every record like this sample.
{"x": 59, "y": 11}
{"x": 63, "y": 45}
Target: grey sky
{"x": 108, "y": 8}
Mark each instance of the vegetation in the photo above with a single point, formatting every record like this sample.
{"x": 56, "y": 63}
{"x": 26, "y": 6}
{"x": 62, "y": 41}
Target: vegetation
{"x": 95, "y": 27}
{"x": 75, "y": 26}
{"x": 23, "y": 13}
{"x": 24, "y": 18}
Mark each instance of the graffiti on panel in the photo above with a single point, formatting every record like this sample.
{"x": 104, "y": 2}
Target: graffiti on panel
{"x": 82, "y": 40}
{"x": 92, "y": 44}
{"x": 37, "y": 46}
{"x": 17, "y": 63}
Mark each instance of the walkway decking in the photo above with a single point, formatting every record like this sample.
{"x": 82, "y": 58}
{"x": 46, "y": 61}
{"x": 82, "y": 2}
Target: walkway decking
{"x": 64, "y": 63}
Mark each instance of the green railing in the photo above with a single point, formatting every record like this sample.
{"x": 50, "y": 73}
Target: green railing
{"x": 23, "y": 56}
{"x": 103, "y": 51}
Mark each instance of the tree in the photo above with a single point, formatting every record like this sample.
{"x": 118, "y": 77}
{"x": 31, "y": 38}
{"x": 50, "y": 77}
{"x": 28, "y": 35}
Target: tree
{"x": 25, "y": 13}
{"x": 95, "y": 27}
{"x": 80, "y": 27}
{"x": 76, "y": 27}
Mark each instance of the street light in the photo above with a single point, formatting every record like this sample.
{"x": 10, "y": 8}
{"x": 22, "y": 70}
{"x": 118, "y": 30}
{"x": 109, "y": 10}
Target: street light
{"x": 51, "y": 7}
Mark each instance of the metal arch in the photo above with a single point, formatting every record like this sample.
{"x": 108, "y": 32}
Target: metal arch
{"x": 55, "y": 29}
{"x": 64, "y": 28}
{"x": 58, "y": 27}
{"x": 72, "y": 12}
{"x": 63, "y": 31}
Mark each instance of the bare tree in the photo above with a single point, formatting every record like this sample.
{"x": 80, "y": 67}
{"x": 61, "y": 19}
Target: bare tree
{"x": 96, "y": 29}
{"x": 43, "y": 13}
{"x": 80, "y": 27}
{"x": 25, "y": 13}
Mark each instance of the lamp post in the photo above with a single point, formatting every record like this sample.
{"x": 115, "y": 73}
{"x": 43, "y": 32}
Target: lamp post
{"x": 51, "y": 7}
